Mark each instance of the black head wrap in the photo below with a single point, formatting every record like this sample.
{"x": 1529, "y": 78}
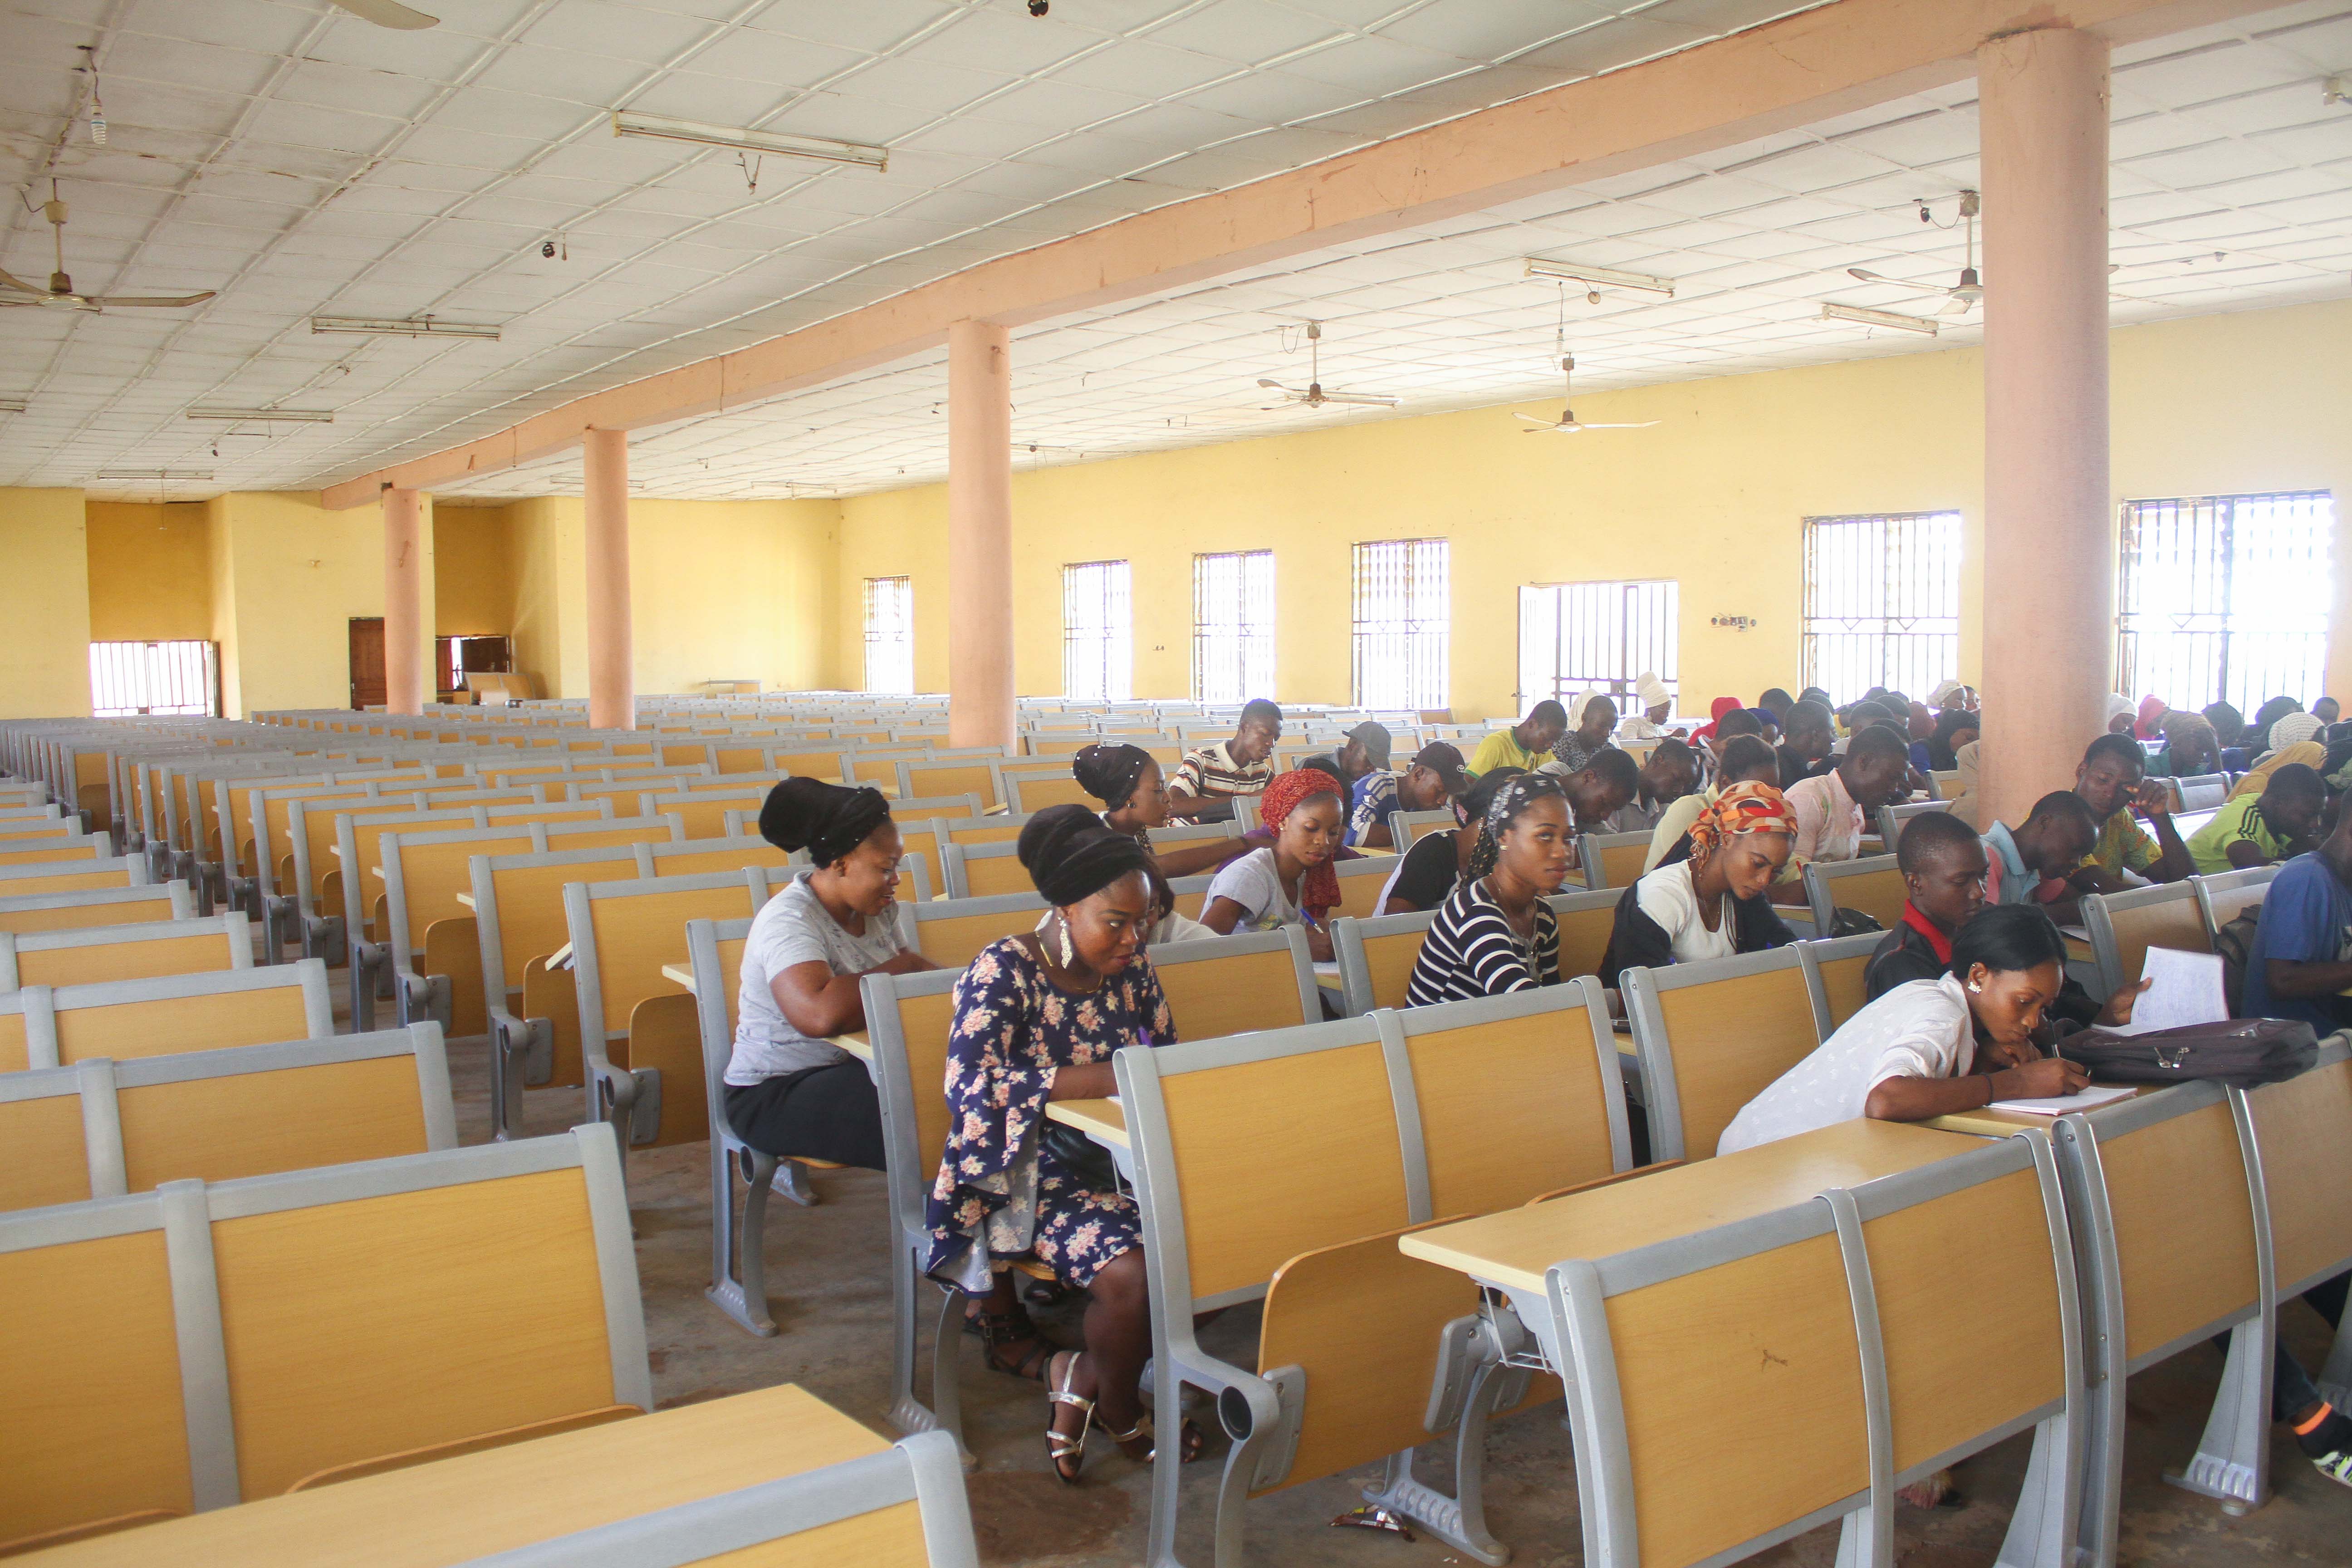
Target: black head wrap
{"x": 1108, "y": 772}
{"x": 825, "y": 819}
{"x": 1071, "y": 856}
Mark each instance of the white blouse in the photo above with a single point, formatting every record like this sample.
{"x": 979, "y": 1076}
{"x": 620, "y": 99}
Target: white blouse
{"x": 1920, "y": 1029}
{"x": 1667, "y": 896}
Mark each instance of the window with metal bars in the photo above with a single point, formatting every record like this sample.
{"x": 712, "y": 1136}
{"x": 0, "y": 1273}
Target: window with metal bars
{"x": 890, "y": 633}
{"x": 2224, "y": 598}
{"x": 1097, "y": 632}
{"x": 1402, "y": 623}
{"x": 1233, "y": 627}
{"x": 127, "y": 678}
{"x": 1881, "y": 601}
{"x": 1597, "y": 637}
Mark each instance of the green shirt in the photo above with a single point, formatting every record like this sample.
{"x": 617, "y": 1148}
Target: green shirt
{"x": 1502, "y": 749}
{"x": 2240, "y": 821}
{"x": 2124, "y": 846}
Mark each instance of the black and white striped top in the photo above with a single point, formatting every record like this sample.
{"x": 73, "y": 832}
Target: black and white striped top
{"x": 1472, "y": 950}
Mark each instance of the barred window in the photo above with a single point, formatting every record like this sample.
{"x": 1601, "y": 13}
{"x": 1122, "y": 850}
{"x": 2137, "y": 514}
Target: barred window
{"x": 127, "y": 678}
{"x": 1233, "y": 627}
{"x": 2224, "y": 598}
{"x": 1097, "y": 632}
{"x": 1401, "y": 623}
{"x": 890, "y": 633}
{"x": 1597, "y": 637}
{"x": 1881, "y": 601}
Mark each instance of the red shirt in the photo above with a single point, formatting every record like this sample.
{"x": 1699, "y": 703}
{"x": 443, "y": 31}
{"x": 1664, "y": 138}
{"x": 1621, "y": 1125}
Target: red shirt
{"x": 1937, "y": 939}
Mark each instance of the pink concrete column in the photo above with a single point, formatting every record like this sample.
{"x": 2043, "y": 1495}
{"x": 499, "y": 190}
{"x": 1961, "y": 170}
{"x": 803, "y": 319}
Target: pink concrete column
{"x": 980, "y": 535}
{"x": 404, "y": 601}
{"x": 2049, "y": 596}
{"x": 611, "y": 675}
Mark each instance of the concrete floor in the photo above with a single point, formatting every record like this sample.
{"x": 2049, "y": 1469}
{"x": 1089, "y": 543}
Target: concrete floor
{"x": 829, "y": 1292}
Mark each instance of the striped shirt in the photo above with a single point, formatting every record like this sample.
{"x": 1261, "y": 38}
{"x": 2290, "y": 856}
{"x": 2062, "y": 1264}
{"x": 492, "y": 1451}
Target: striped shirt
{"x": 1472, "y": 950}
{"x": 1212, "y": 774}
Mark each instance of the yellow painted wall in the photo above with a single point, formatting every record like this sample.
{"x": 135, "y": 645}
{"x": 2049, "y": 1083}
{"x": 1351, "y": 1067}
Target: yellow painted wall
{"x": 150, "y": 573}
{"x": 551, "y": 593}
{"x": 44, "y": 604}
{"x": 1714, "y": 496}
{"x": 291, "y": 576}
{"x": 473, "y": 571}
{"x": 730, "y": 589}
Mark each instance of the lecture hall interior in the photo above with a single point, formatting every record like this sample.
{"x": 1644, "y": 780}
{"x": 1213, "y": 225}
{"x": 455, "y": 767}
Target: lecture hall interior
{"x": 601, "y": 595}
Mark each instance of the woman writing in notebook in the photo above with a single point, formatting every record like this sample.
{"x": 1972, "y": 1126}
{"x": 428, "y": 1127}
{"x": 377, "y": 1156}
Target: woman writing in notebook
{"x": 1931, "y": 1048}
{"x": 1290, "y": 882}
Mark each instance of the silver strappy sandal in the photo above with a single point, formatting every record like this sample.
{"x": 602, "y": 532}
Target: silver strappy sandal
{"x": 1059, "y": 1445}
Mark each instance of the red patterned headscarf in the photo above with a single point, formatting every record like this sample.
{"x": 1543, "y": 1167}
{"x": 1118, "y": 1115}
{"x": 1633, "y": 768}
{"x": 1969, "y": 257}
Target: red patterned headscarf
{"x": 1742, "y": 808}
{"x": 1319, "y": 889}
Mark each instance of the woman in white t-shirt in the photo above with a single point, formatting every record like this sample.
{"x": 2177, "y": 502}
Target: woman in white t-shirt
{"x": 789, "y": 1091}
{"x": 1291, "y": 883}
{"x": 1930, "y": 1048}
{"x": 1713, "y": 904}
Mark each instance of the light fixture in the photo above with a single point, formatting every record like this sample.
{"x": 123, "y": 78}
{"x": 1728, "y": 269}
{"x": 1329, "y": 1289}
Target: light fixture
{"x": 1877, "y": 318}
{"x": 13, "y": 404}
{"x": 141, "y": 476}
{"x": 2335, "y": 89}
{"x": 1600, "y": 276}
{"x": 272, "y": 415}
{"x": 396, "y": 327}
{"x": 661, "y": 127}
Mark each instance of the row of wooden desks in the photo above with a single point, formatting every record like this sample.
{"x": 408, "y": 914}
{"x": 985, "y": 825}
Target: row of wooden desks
{"x": 456, "y": 1511}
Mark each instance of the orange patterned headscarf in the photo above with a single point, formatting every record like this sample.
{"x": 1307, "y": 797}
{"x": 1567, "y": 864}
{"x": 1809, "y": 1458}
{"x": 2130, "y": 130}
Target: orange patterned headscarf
{"x": 1742, "y": 808}
{"x": 1319, "y": 888}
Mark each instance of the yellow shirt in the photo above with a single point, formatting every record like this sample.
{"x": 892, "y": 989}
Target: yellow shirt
{"x": 2123, "y": 846}
{"x": 1502, "y": 749}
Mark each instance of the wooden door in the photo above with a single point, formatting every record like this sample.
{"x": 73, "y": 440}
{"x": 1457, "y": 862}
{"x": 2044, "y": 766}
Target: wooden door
{"x": 367, "y": 661}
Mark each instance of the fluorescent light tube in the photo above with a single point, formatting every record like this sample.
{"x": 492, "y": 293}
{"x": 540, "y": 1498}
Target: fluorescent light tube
{"x": 141, "y": 476}
{"x": 13, "y": 404}
{"x": 418, "y": 327}
{"x": 274, "y": 416}
{"x": 1600, "y": 276}
{"x": 1877, "y": 318}
{"x": 627, "y": 122}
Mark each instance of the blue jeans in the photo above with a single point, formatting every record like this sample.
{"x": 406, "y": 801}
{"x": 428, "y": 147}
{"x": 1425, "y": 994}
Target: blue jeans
{"x": 2292, "y": 1390}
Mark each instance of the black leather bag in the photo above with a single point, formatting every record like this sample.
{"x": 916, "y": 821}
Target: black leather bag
{"x": 2240, "y": 1052}
{"x": 1081, "y": 1158}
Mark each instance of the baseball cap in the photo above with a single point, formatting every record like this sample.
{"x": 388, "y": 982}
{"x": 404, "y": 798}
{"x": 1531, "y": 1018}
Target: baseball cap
{"x": 1445, "y": 762}
{"x": 1374, "y": 739}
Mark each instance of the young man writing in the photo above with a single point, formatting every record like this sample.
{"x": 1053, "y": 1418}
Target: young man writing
{"x": 1524, "y": 745}
{"x": 1807, "y": 736}
{"x": 1434, "y": 778}
{"x": 1669, "y": 772}
{"x": 1208, "y": 781}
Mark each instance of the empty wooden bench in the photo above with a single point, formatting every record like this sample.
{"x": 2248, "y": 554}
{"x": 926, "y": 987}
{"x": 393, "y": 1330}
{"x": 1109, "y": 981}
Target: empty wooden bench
{"x": 103, "y": 1128}
{"x": 126, "y": 952}
{"x": 46, "y": 1026}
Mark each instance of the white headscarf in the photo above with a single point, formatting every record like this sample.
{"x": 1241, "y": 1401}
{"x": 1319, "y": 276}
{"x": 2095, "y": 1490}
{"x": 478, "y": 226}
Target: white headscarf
{"x": 1651, "y": 689}
{"x": 2118, "y": 705}
{"x": 2293, "y": 728}
{"x": 1945, "y": 689}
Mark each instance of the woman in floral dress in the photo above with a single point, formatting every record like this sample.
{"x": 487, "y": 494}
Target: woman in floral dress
{"x": 1036, "y": 1018}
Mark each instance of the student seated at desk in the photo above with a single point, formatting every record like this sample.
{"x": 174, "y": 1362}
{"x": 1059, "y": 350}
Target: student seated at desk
{"x": 790, "y": 1092}
{"x": 1930, "y": 1048}
{"x": 1808, "y": 737}
{"x": 1434, "y": 780}
{"x": 1747, "y": 759}
{"x": 1575, "y": 750}
{"x": 2191, "y": 748}
{"x": 2111, "y": 781}
{"x": 1668, "y": 774}
{"x": 1524, "y": 744}
{"x": 1036, "y": 1018}
{"x": 1656, "y": 705}
{"x": 1711, "y": 904}
{"x": 1290, "y": 882}
{"x": 1598, "y": 790}
{"x": 2029, "y": 864}
{"x": 1945, "y": 867}
{"x": 2302, "y": 753}
{"x": 1208, "y": 781}
{"x": 1835, "y": 808}
{"x": 1427, "y": 872}
{"x": 1495, "y": 934}
{"x": 1955, "y": 728}
{"x": 1127, "y": 780}
{"x": 2301, "y": 957}
{"x": 2263, "y": 829}
{"x": 1365, "y": 749}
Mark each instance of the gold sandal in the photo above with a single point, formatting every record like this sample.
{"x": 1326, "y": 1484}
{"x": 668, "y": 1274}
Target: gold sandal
{"x": 1059, "y": 1445}
{"x": 1190, "y": 1434}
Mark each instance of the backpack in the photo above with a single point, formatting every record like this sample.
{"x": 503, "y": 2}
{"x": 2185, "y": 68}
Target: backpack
{"x": 2232, "y": 944}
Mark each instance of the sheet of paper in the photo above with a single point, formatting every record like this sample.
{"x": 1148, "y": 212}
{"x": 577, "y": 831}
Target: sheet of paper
{"x": 2059, "y": 1106}
{"x": 2188, "y": 990}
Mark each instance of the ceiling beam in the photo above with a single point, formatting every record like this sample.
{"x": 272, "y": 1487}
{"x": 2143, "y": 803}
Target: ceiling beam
{"x": 1804, "y": 68}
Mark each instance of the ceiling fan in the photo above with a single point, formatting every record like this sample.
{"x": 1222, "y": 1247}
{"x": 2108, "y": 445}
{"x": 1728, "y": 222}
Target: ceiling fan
{"x": 1568, "y": 424}
{"x": 388, "y": 13}
{"x": 1964, "y": 294}
{"x": 1315, "y": 396}
{"x": 59, "y": 294}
